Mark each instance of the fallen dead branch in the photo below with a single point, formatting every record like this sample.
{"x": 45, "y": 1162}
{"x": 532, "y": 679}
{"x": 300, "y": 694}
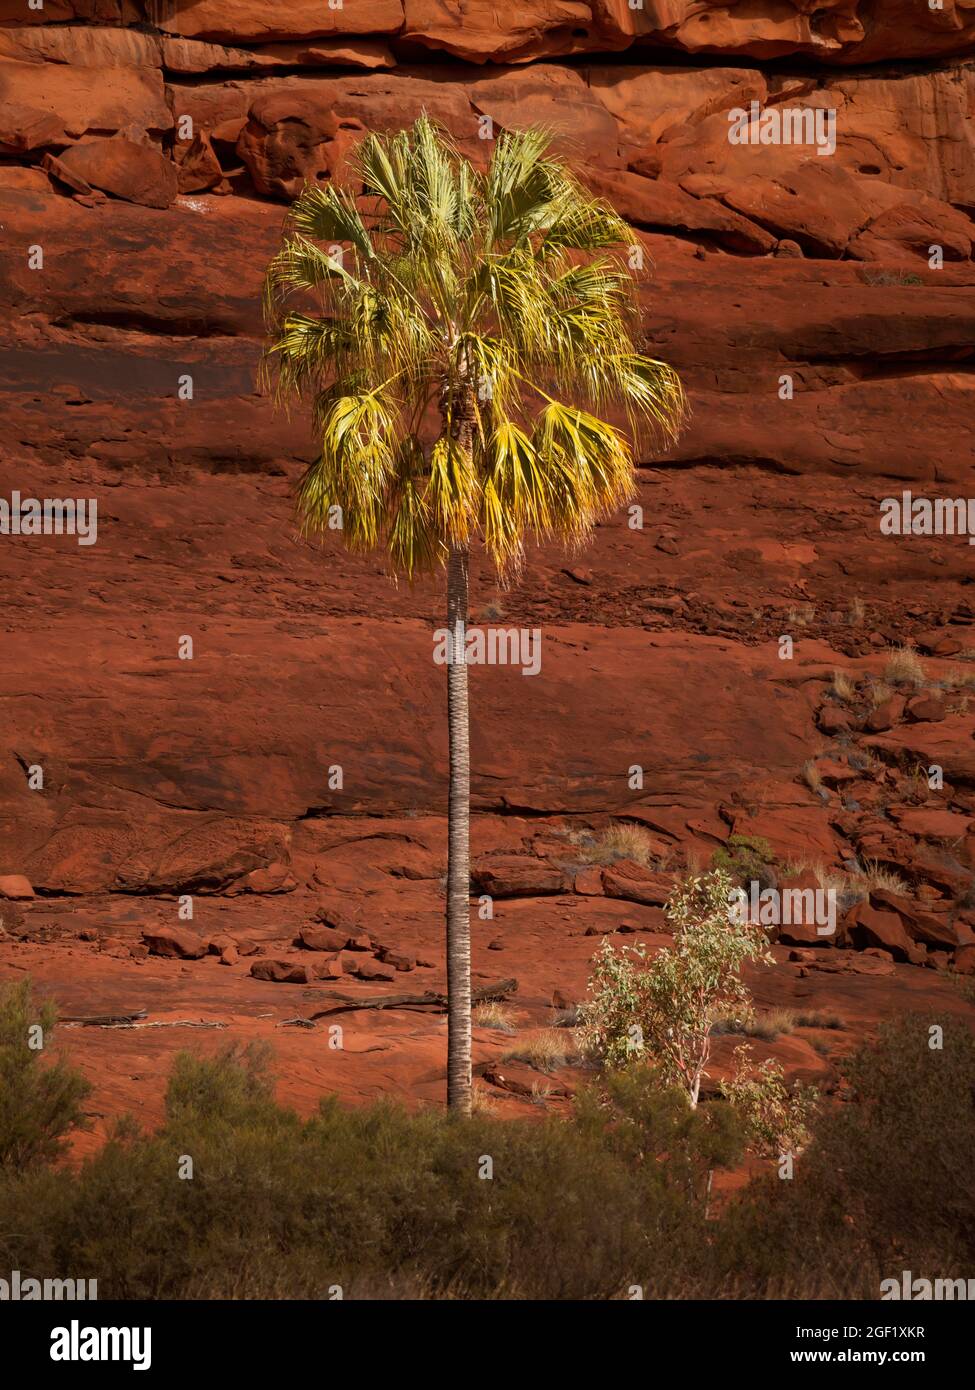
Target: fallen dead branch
{"x": 174, "y": 1023}
{"x": 429, "y": 1002}
{"x": 134, "y": 1020}
{"x": 104, "y": 1020}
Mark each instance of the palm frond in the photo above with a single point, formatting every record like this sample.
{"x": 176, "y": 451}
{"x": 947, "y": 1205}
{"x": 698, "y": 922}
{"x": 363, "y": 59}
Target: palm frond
{"x": 452, "y": 489}
{"x": 589, "y": 462}
{"x": 517, "y": 496}
{"x": 328, "y": 214}
{"x": 413, "y": 543}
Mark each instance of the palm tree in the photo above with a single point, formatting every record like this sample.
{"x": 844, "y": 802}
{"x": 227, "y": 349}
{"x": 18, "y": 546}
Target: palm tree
{"x": 455, "y": 331}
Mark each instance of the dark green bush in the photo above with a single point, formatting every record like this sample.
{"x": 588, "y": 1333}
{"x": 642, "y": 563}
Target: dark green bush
{"x": 40, "y": 1097}
{"x": 386, "y": 1203}
{"x": 376, "y": 1197}
{"x": 747, "y": 858}
{"x": 887, "y": 1183}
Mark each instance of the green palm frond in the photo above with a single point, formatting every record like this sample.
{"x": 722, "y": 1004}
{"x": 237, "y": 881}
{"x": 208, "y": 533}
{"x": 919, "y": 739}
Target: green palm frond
{"x": 653, "y": 393}
{"x": 585, "y": 224}
{"x": 330, "y": 215}
{"x": 303, "y": 350}
{"x": 589, "y": 462}
{"x": 382, "y": 163}
{"x": 521, "y": 186}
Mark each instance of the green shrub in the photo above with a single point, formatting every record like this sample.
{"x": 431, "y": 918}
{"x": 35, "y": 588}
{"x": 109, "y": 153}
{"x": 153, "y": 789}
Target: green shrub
{"x": 885, "y": 1185}
{"x": 387, "y": 1203}
{"x": 374, "y": 1198}
{"x": 776, "y": 1117}
{"x": 235, "y": 1085}
{"x": 747, "y": 858}
{"x": 40, "y": 1101}
{"x": 664, "y": 1007}
{"x": 901, "y": 1155}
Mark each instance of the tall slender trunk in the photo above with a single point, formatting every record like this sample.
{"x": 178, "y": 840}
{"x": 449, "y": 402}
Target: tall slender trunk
{"x": 458, "y": 837}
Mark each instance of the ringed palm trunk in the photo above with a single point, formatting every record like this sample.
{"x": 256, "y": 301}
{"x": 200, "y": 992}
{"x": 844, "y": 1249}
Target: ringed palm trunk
{"x": 460, "y": 422}
{"x": 458, "y": 842}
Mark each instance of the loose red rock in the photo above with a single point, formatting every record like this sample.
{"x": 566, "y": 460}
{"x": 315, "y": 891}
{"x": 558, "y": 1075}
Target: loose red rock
{"x": 175, "y": 942}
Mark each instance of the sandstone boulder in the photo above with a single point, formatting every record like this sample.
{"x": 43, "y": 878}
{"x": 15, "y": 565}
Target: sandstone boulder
{"x": 197, "y": 165}
{"x": 964, "y": 960}
{"x": 52, "y": 104}
{"x": 629, "y": 880}
{"x": 175, "y": 942}
{"x": 870, "y": 927}
{"x": 282, "y": 972}
{"x": 588, "y": 881}
{"x": 15, "y": 887}
{"x": 516, "y": 876}
{"x": 136, "y": 172}
{"x": 885, "y": 715}
{"x": 921, "y": 926}
{"x": 323, "y": 939}
{"x": 243, "y": 21}
{"x": 399, "y": 960}
{"x": 530, "y": 28}
{"x": 275, "y": 877}
{"x": 926, "y": 709}
{"x": 374, "y": 970}
{"x": 335, "y": 915}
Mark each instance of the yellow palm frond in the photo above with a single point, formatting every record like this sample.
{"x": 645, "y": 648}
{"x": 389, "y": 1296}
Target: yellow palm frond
{"x": 452, "y": 489}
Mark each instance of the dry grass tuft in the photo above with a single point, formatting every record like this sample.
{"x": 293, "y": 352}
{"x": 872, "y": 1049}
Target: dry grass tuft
{"x": 766, "y": 1026}
{"x": 776, "y": 1023}
{"x": 492, "y": 613}
{"x": 547, "y": 1049}
{"x": 842, "y": 686}
{"x": 866, "y": 879}
{"x": 541, "y": 1092}
{"x": 818, "y": 1018}
{"x": 904, "y": 667}
{"x": 811, "y": 775}
{"x": 622, "y": 841}
{"x": 482, "y": 1103}
{"x": 493, "y": 1014}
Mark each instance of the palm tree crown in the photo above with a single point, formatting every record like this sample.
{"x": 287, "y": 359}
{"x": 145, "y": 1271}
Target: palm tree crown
{"x": 460, "y": 334}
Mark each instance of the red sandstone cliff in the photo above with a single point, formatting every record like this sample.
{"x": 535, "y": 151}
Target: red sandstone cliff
{"x": 149, "y": 150}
